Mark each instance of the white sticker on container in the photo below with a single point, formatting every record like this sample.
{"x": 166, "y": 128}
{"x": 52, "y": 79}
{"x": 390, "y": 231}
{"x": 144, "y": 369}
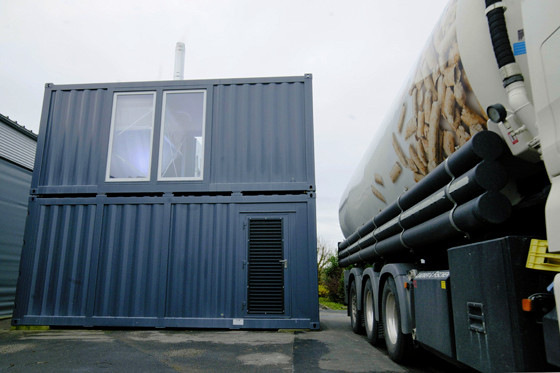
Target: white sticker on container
{"x": 238, "y": 322}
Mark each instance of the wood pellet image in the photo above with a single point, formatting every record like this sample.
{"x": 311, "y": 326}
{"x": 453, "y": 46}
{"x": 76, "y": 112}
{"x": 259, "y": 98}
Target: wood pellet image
{"x": 378, "y": 194}
{"x": 437, "y": 115}
{"x": 440, "y": 112}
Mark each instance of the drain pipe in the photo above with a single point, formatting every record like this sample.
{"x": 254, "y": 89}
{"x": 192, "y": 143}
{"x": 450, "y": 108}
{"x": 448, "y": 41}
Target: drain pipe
{"x": 511, "y": 74}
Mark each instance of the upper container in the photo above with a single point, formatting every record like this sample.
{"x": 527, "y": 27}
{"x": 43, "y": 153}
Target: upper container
{"x": 224, "y": 136}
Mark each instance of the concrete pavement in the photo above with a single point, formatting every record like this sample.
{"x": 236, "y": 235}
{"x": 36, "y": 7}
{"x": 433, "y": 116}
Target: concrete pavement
{"x": 332, "y": 349}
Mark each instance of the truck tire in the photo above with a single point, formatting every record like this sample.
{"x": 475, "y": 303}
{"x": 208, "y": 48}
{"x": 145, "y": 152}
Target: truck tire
{"x": 372, "y": 326}
{"x": 399, "y": 345}
{"x": 356, "y": 319}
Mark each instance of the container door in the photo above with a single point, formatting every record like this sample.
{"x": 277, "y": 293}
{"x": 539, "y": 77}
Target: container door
{"x": 266, "y": 266}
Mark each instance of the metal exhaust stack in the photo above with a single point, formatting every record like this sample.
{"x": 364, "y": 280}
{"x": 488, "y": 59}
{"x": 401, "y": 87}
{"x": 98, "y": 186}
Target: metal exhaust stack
{"x": 179, "y": 71}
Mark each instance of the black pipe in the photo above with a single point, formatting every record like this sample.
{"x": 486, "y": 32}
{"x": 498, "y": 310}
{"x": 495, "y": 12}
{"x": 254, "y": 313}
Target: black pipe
{"x": 500, "y": 40}
{"x": 353, "y": 238}
{"x": 482, "y": 212}
{"x": 486, "y": 176}
{"x": 485, "y": 145}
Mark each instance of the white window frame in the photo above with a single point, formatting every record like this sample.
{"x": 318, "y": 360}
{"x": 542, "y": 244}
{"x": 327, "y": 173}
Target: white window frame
{"x": 110, "y": 151}
{"x": 204, "y": 102}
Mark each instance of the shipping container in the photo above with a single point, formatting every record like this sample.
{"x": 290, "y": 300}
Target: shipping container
{"x": 173, "y": 204}
{"x": 17, "y": 152}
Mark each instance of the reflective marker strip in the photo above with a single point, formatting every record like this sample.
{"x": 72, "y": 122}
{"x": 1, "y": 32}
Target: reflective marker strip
{"x": 519, "y": 48}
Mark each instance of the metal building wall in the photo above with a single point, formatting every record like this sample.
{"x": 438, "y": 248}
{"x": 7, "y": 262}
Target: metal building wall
{"x": 17, "y": 153}
{"x": 16, "y": 143}
{"x": 170, "y": 254}
{"x": 14, "y": 192}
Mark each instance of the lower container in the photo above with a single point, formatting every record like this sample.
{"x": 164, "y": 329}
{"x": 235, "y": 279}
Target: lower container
{"x": 192, "y": 262}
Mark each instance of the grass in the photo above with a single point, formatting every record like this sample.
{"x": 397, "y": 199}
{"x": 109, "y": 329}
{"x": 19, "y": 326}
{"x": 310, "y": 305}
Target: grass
{"x": 331, "y": 305}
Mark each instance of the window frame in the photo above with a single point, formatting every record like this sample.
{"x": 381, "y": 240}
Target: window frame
{"x": 160, "y": 177}
{"x": 111, "y": 137}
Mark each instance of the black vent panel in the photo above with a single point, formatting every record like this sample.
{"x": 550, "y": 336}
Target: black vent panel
{"x": 265, "y": 293}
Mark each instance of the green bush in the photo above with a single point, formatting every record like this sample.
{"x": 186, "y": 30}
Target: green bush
{"x": 323, "y": 291}
{"x": 333, "y": 280}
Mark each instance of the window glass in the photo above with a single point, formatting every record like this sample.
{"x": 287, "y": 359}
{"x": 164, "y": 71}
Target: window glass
{"x": 182, "y": 138}
{"x": 131, "y": 137}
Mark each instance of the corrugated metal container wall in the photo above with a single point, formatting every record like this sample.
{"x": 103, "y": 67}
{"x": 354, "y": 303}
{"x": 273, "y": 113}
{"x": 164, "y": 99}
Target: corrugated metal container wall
{"x": 164, "y": 262}
{"x": 72, "y": 145}
{"x": 56, "y": 273}
{"x": 258, "y": 136}
{"x": 263, "y": 136}
{"x": 17, "y": 152}
{"x": 227, "y": 240}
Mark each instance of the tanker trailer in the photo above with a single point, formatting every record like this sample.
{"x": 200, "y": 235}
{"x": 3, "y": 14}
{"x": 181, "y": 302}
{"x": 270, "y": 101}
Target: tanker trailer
{"x": 451, "y": 219}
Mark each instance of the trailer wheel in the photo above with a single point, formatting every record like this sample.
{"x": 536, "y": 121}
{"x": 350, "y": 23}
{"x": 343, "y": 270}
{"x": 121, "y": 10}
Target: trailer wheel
{"x": 356, "y": 319}
{"x": 398, "y": 344}
{"x": 373, "y": 330}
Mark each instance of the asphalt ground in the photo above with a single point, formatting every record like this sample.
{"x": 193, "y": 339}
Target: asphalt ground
{"x": 335, "y": 348}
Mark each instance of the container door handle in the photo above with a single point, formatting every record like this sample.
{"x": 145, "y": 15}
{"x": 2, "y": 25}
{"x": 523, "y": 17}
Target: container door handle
{"x": 285, "y": 262}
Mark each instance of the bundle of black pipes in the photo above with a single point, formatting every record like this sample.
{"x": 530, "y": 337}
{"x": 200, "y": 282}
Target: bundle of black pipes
{"x": 456, "y": 198}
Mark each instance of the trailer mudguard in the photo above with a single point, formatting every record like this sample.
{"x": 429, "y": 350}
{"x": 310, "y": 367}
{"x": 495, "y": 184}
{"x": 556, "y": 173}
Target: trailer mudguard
{"x": 374, "y": 276}
{"x": 399, "y": 272}
{"x": 355, "y": 274}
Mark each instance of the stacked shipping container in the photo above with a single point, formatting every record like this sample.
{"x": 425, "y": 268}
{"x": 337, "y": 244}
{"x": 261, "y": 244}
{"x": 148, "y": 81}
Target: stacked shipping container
{"x": 173, "y": 204}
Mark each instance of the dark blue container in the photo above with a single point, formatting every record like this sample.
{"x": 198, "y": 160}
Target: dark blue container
{"x": 173, "y": 204}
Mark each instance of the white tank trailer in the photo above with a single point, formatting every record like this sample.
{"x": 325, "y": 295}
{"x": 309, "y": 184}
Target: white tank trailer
{"x": 451, "y": 220}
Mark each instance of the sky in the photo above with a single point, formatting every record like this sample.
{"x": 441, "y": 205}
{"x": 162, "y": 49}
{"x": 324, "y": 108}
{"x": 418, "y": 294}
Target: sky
{"x": 360, "y": 53}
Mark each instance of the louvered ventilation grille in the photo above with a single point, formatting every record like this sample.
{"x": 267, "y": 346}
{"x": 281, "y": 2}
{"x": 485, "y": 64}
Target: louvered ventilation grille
{"x": 266, "y": 271}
